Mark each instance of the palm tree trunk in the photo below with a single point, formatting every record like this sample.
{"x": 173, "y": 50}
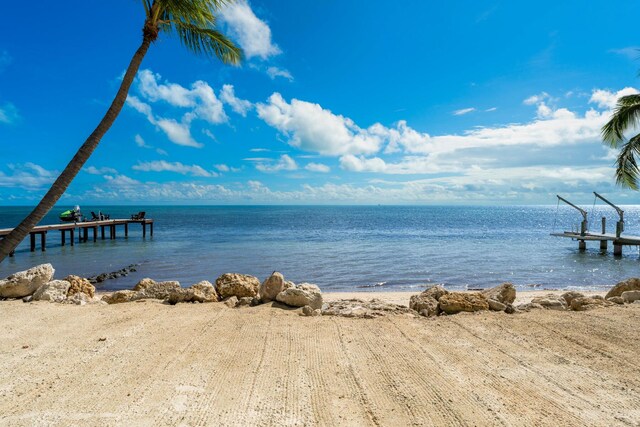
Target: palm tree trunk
{"x": 11, "y": 241}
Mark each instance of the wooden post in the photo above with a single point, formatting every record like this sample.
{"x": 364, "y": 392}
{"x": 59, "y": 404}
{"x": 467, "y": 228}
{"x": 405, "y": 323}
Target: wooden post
{"x": 151, "y": 228}
{"x": 63, "y": 237}
{"x": 144, "y": 229}
{"x": 617, "y": 249}
{"x": 112, "y": 231}
{"x": 32, "y": 236}
{"x": 102, "y": 231}
{"x": 85, "y": 233}
{"x": 95, "y": 233}
{"x": 604, "y": 225}
{"x": 72, "y": 232}
{"x": 603, "y": 245}
{"x": 582, "y": 246}
{"x": 43, "y": 241}
{"x": 126, "y": 229}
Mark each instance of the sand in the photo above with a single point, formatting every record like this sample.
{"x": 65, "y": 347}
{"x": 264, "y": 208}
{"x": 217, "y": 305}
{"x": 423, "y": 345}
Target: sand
{"x": 152, "y": 364}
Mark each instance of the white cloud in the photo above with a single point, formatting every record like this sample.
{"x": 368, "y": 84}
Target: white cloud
{"x": 177, "y": 167}
{"x": 317, "y": 167}
{"x": 284, "y": 163}
{"x": 222, "y": 167}
{"x": 274, "y": 72}
{"x": 92, "y": 170}
{"x": 253, "y": 34}
{"x": 489, "y": 110}
{"x": 534, "y": 99}
{"x": 463, "y": 111}
{"x": 240, "y": 106}
{"x": 313, "y": 128}
{"x": 8, "y": 113}
{"x": 631, "y": 52}
{"x": 179, "y": 133}
{"x": 140, "y": 142}
{"x": 607, "y": 99}
{"x": 28, "y": 176}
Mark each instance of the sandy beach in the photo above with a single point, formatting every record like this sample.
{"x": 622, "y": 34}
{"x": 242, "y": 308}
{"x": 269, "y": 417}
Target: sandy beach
{"x": 148, "y": 363}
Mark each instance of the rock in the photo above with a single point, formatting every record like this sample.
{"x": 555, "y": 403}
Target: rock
{"x": 54, "y": 291}
{"x": 200, "y": 292}
{"x": 231, "y": 302}
{"x": 616, "y": 300}
{"x": 627, "y": 285}
{"x": 79, "y": 298}
{"x": 497, "y": 305}
{"x": 288, "y": 284}
{"x": 435, "y": 292}
{"x": 570, "y": 296}
{"x": 504, "y": 293}
{"x": 120, "y": 297}
{"x": 588, "y": 303}
{"x": 455, "y": 302}
{"x": 529, "y": 306}
{"x": 156, "y": 290}
{"x": 28, "y": 298}
{"x": 363, "y": 309}
{"x": 630, "y": 296}
{"x": 301, "y": 295}
{"x": 308, "y": 311}
{"x": 144, "y": 284}
{"x": 510, "y": 309}
{"x": 424, "y": 304}
{"x": 24, "y": 283}
{"x": 80, "y": 285}
{"x": 113, "y": 275}
{"x": 237, "y": 285}
{"x": 245, "y": 302}
{"x": 551, "y": 302}
{"x": 271, "y": 287}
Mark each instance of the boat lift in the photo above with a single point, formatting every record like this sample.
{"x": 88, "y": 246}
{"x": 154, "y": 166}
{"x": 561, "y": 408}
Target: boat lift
{"x": 620, "y": 223}
{"x": 583, "y": 224}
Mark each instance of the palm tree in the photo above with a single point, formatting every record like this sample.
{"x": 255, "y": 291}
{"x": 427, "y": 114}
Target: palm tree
{"x": 625, "y": 117}
{"x": 193, "y": 22}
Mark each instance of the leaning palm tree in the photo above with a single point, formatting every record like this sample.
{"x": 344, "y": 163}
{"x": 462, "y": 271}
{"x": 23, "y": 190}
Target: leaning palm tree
{"x": 626, "y": 117}
{"x": 194, "y": 23}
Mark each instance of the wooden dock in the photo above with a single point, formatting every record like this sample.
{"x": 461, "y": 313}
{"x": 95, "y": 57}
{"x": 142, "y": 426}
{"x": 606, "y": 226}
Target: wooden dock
{"x": 82, "y": 229}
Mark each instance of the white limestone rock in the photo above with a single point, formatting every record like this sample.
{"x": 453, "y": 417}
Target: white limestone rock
{"x": 24, "y": 283}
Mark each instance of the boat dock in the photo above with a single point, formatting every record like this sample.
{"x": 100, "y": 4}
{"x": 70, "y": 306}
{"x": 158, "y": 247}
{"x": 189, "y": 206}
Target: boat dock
{"x": 583, "y": 235}
{"x": 82, "y": 229}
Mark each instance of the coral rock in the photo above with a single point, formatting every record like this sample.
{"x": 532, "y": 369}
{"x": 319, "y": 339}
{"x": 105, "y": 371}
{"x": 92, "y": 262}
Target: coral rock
{"x": 588, "y": 303}
{"x": 424, "y": 304}
{"x": 551, "y": 302}
{"x": 630, "y": 296}
{"x": 271, "y": 287}
{"x": 301, "y": 295}
{"x": 80, "y": 285}
{"x": 237, "y": 285}
{"x": 627, "y": 285}
{"x": 24, "y": 283}
{"x": 497, "y": 305}
{"x": 455, "y": 302}
{"x": 504, "y": 293}
{"x": 54, "y": 291}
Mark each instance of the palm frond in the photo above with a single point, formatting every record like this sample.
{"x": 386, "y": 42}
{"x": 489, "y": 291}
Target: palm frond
{"x": 207, "y": 41}
{"x": 627, "y": 171}
{"x": 625, "y": 116}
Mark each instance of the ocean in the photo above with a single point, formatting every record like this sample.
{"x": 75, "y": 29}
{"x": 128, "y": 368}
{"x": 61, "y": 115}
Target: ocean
{"x": 375, "y": 248}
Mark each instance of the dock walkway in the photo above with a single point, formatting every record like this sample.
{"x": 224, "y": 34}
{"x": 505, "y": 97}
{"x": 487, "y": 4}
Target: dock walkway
{"x": 83, "y": 231}
{"x": 603, "y": 238}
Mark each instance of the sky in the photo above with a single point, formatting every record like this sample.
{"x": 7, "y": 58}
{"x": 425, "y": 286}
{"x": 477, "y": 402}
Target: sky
{"x": 336, "y": 102}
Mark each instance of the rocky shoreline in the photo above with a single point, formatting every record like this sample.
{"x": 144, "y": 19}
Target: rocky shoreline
{"x": 237, "y": 290}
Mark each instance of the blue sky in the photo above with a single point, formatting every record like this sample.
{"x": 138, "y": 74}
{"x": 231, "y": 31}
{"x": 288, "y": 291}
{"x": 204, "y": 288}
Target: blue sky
{"x": 408, "y": 102}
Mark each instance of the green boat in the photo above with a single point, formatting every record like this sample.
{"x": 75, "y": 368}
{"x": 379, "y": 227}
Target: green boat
{"x": 71, "y": 215}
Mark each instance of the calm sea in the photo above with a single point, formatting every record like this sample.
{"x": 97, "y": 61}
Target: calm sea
{"x": 345, "y": 248}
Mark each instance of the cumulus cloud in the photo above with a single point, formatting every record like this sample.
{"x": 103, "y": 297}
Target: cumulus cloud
{"x": 607, "y": 99}
{"x": 284, "y": 163}
{"x": 317, "y": 167}
{"x": 313, "y": 128}
{"x": 631, "y": 52}
{"x": 534, "y": 99}
{"x": 200, "y": 101}
{"x": 240, "y": 106}
{"x": 177, "y": 167}
{"x": 252, "y": 33}
{"x": 274, "y": 72}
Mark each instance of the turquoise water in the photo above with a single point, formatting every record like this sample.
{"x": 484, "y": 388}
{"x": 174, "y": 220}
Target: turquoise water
{"x": 347, "y": 247}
